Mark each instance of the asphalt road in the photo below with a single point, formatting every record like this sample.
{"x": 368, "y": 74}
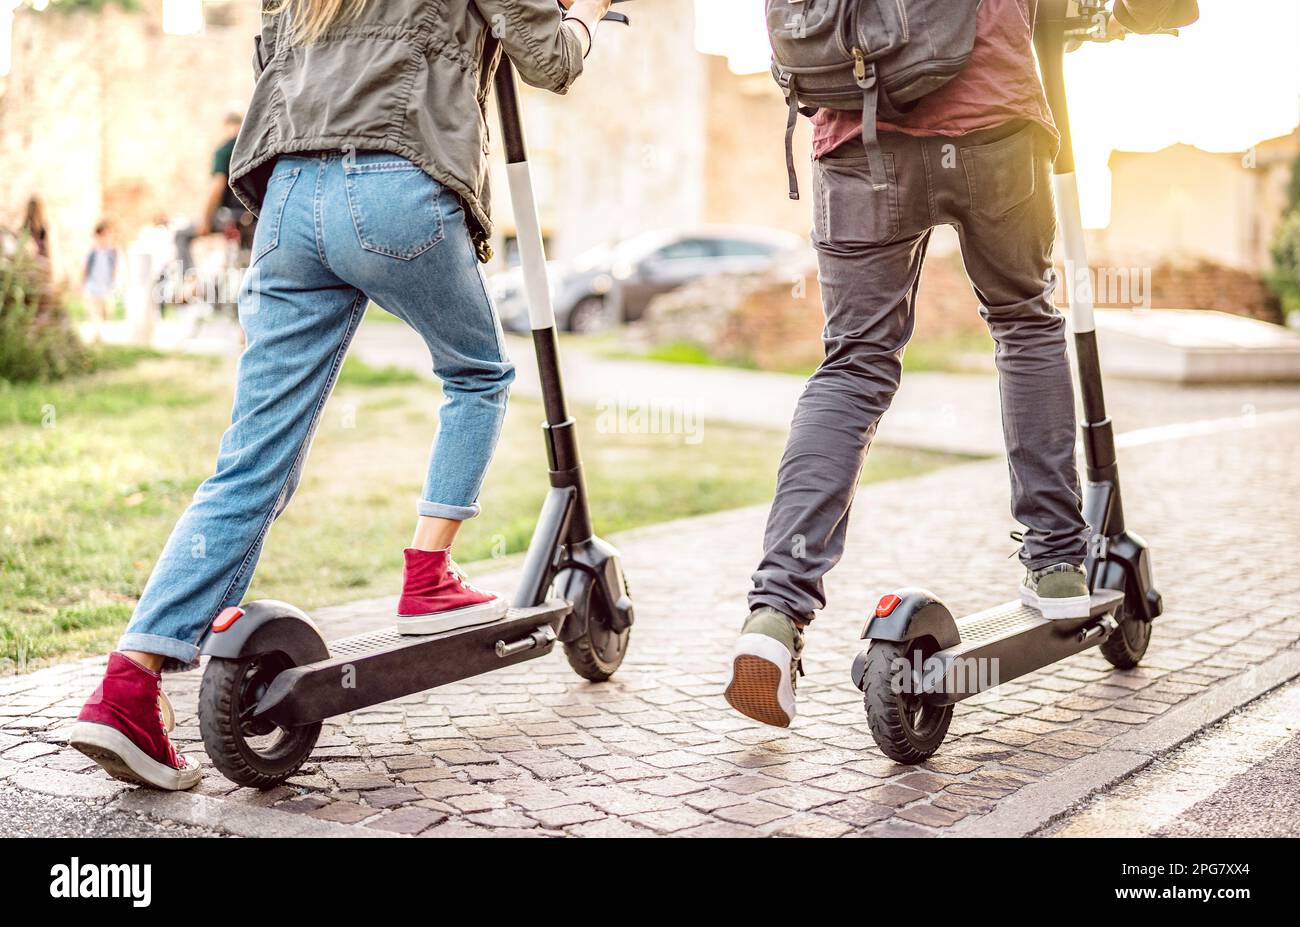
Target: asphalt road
{"x": 1264, "y": 802}
{"x": 1238, "y": 778}
{"x": 25, "y": 813}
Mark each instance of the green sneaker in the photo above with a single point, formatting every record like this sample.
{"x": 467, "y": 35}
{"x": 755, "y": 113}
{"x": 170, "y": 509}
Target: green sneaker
{"x": 764, "y": 667}
{"x": 1060, "y": 592}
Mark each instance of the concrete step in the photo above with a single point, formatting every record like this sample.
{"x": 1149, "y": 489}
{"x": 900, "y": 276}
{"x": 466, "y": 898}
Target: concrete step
{"x": 1196, "y": 346}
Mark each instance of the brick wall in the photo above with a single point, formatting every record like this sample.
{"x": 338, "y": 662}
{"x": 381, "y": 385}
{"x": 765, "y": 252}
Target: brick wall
{"x": 1190, "y": 284}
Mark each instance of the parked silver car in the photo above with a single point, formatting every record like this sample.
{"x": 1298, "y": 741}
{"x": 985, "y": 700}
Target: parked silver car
{"x": 613, "y": 284}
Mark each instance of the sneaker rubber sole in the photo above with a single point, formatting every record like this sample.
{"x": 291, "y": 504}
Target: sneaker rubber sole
{"x": 1058, "y": 609}
{"x": 456, "y": 618}
{"x": 760, "y": 686}
{"x": 123, "y": 760}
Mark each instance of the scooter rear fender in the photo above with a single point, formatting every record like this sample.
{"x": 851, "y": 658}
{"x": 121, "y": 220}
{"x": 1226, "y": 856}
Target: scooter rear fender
{"x": 268, "y": 625}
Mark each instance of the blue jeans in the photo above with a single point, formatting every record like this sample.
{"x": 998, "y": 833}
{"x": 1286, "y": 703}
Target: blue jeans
{"x": 335, "y": 233}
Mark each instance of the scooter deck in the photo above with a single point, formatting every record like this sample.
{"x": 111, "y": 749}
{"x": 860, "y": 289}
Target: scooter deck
{"x": 1010, "y": 640}
{"x": 382, "y": 665}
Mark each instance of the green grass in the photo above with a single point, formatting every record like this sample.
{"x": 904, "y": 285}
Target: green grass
{"x": 95, "y": 471}
{"x": 947, "y": 354}
{"x": 382, "y": 316}
{"x": 358, "y": 373}
{"x": 78, "y": 311}
{"x": 688, "y": 352}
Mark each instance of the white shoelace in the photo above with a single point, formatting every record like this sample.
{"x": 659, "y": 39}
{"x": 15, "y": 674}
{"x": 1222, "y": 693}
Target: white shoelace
{"x": 454, "y": 569}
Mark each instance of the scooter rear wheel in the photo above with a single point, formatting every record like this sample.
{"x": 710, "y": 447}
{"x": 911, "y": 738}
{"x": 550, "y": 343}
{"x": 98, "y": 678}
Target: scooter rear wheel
{"x": 906, "y": 729}
{"x": 250, "y": 751}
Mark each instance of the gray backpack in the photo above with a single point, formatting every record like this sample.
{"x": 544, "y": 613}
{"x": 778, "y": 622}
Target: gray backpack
{"x": 880, "y": 56}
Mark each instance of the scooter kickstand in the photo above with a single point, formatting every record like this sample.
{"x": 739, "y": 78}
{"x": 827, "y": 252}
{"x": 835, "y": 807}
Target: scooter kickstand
{"x": 542, "y": 637}
{"x": 1106, "y": 625}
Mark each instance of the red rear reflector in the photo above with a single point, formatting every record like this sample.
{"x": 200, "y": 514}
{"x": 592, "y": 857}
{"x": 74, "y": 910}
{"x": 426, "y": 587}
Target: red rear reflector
{"x": 887, "y": 604}
{"x": 227, "y": 617}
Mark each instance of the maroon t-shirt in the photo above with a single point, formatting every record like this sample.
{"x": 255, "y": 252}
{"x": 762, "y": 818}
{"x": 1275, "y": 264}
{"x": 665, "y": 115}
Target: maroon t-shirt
{"x": 999, "y": 83}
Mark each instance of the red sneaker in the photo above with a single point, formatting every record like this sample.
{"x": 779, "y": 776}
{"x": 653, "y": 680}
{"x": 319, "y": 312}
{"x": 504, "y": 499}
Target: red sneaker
{"x": 123, "y": 727}
{"x": 436, "y": 596}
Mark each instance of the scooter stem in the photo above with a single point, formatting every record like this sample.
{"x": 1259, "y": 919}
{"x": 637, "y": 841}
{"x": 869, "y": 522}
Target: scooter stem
{"x": 1107, "y": 519}
{"x": 1049, "y": 38}
{"x": 561, "y": 432}
{"x": 528, "y": 236}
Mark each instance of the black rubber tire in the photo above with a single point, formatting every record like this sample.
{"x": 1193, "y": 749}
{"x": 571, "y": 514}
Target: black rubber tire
{"x": 1127, "y": 644}
{"x": 224, "y": 737}
{"x": 890, "y": 714}
{"x": 587, "y": 310}
{"x": 597, "y": 659}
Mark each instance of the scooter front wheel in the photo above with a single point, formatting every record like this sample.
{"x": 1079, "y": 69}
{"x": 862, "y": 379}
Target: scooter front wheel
{"x": 598, "y": 653}
{"x": 250, "y": 751}
{"x": 1127, "y": 644}
{"x": 907, "y": 729}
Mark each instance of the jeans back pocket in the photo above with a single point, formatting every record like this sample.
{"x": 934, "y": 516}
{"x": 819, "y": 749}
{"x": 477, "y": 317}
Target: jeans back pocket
{"x": 1001, "y": 174}
{"x": 848, "y": 210}
{"x": 396, "y": 207}
{"x": 267, "y": 236}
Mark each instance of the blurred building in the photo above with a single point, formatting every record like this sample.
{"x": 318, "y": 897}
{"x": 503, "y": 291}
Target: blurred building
{"x": 657, "y": 135}
{"x": 1182, "y": 204}
{"x": 116, "y": 114}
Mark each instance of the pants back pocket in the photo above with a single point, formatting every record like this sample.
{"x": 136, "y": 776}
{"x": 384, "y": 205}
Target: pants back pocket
{"x": 396, "y": 207}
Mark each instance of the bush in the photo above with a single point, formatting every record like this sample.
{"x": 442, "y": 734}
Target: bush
{"x": 1286, "y": 261}
{"x": 36, "y": 340}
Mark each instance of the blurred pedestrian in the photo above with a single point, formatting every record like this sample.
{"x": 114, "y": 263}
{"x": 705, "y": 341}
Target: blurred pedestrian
{"x": 223, "y": 212}
{"x": 36, "y": 228}
{"x": 99, "y": 278}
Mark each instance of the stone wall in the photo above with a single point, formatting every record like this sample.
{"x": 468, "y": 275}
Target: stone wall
{"x": 106, "y": 116}
{"x": 774, "y": 322}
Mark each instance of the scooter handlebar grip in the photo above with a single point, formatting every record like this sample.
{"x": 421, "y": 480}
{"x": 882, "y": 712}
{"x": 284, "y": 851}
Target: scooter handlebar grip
{"x": 613, "y": 17}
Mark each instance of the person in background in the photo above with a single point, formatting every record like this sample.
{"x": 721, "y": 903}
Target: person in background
{"x": 870, "y": 247}
{"x": 156, "y": 243}
{"x": 99, "y": 278}
{"x": 223, "y": 210}
{"x": 36, "y": 228}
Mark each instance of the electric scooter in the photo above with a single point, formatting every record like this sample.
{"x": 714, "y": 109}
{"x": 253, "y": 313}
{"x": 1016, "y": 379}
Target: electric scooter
{"x": 921, "y": 661}
{"x": 271, "y": 678}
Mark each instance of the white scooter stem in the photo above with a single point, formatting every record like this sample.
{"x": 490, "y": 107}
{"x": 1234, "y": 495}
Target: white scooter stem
{"x": 1078, "y": 273}
{"x": 532, "y": 252}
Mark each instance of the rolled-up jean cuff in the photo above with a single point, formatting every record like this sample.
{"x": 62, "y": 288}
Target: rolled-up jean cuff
{"x": 442, "y": 510}
{"x": 178, "y": 655}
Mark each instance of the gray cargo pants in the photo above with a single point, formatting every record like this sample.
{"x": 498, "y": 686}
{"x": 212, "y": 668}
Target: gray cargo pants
{"x": 995, "y": 188}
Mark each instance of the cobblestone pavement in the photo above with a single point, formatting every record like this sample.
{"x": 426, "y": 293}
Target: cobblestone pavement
{"x": 536, "y": 750}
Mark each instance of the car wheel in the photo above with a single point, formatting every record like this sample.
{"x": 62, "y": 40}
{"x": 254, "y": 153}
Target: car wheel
{"x": 592, "y": 314}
